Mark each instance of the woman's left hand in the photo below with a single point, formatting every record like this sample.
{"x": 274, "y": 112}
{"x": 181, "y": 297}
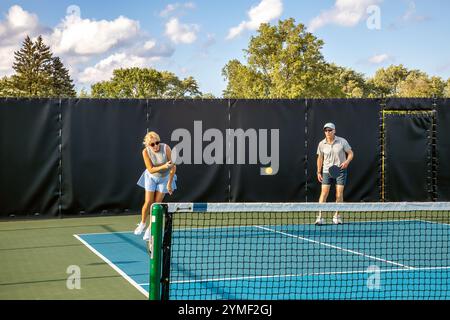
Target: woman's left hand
{"x": 169, "y": 187}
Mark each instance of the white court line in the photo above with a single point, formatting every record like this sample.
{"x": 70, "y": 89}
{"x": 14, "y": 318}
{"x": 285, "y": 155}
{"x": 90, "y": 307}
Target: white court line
{"x": 434, "y": 222}
{"x": 118, "y": 232}
{"x": 305, "y": 275}
{"x": 296, "y": 224}
{"x": 112, "y": 265}
{"x": 336, "y": 247}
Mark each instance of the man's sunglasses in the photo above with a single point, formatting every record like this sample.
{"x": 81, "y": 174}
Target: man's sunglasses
{"x": 328, "y": 130}
{"x": 154, "y": 144}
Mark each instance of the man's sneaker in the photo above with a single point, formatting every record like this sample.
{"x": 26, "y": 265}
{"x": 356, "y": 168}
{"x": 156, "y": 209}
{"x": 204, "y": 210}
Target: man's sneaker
{"x": 337, "y": 220}
{"x": 319, "y": 221}
{"x": 147, "y": 234}
{"x": 139, "y": 229}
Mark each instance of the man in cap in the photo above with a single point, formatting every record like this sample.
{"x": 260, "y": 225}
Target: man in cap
{"x": 332, "y": 150}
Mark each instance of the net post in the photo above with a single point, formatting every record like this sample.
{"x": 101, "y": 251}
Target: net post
{"x": 167, "y": 243}
{"x": 155, "y": 250}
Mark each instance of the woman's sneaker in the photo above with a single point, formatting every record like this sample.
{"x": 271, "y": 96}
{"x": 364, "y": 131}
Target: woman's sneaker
{"x": 337, "y": 220}
{"x": 147, "y": 234}
{"x": 319, "y": 221}
{"x": 139, "y": 229}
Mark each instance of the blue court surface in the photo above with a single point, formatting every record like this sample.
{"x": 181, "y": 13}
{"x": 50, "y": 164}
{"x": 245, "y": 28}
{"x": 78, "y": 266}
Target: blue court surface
{"x": 408, "y": 259}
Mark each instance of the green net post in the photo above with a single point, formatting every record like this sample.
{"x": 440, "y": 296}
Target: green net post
{"x": 155, "y": 248}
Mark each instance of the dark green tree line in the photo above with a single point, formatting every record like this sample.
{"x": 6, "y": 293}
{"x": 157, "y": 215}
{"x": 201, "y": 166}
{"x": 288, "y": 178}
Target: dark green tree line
{"x": 37, "y": 73}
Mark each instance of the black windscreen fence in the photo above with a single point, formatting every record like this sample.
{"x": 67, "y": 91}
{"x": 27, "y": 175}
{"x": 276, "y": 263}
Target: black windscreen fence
{"x": 408, "y": 171}
{"x": 267, "y": 159}
{"x": 196, "y": 129}
{"x": 63, "y": 157}
{"x": 414, "y": 166}
{"x": 101, "y": 154}
{"x": 29, "y": 157}
{"x": 443, "y": 149}
{"x": 357, "y": 121}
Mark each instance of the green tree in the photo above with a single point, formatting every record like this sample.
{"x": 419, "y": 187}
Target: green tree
{"x": 283, "y": 61}
{"x": 84, "y": 93}
{"x": 33, "y": 69}
{"x": 7, "y": 88}
{"x": 447, "y": 89}
{"x": 173, "y": 87}
{"x": 386, "y": 82}
{"x": 189, "y": 88}
{"x": 145, "y": 83}
{"x": 61, "y": 83}
{"x": 419, "y": 84}
{"x": 416, "y": 84}
{"x": 437, "y": 87}
{"x": 398, "y": 81}
{"x": 243, "y": 82}
{"x": 38, "y": 73}
{"x": 207, "y": 96}
{"x": 103, "y": 90}
{"x": 350, "y": 83}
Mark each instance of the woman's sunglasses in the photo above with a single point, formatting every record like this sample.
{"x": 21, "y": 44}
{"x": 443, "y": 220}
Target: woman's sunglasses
{"x": 154, "y": 144}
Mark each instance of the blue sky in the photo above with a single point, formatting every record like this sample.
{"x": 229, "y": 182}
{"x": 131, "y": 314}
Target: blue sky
{"x": 198, "y": 37}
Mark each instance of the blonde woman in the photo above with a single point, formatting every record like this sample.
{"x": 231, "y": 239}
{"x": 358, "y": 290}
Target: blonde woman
{"x": 158, "y": 179}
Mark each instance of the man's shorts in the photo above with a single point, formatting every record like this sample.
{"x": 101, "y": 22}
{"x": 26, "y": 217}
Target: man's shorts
{"x": 341, "y": 179}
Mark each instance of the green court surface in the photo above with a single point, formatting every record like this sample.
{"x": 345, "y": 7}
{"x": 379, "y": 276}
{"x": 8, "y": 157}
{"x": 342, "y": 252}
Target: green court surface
{"x": 35, "y": 256}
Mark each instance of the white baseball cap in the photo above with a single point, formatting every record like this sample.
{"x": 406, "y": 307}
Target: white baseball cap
{"x": 329, "y": 125}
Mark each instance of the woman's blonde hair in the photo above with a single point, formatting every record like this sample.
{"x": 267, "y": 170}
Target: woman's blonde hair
{"x": 150, "y": 136}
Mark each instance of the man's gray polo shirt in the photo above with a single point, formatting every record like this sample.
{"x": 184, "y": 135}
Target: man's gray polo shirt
{"x": 333, "y": 154}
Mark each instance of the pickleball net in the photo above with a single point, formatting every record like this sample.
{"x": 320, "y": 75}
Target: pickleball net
{"x": 274, "y": 251}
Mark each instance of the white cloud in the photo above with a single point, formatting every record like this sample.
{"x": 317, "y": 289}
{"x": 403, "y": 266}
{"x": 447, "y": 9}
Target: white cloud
{"x": 347, "y": 13}
{"x": 103, "y": 70}
{"x": 79, "y": 36}
{"x": 173, "y": 7}
{"x": 176, "y": 31}
{"x": 149, "y": 45}
{"x": 19, "y": 19}
{"x": 80, "y": 43}
{"x": 380, "y": 58}
{"x": 169, "y": 9}
{"x": 17, "y": 25}
{"x": 6, "y": 60}
{"x": 264, "y": 12}
{"x": 181, "y": 33}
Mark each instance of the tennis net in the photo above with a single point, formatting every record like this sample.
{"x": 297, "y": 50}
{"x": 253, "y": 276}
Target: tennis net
{"x": 275, "y": 251}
